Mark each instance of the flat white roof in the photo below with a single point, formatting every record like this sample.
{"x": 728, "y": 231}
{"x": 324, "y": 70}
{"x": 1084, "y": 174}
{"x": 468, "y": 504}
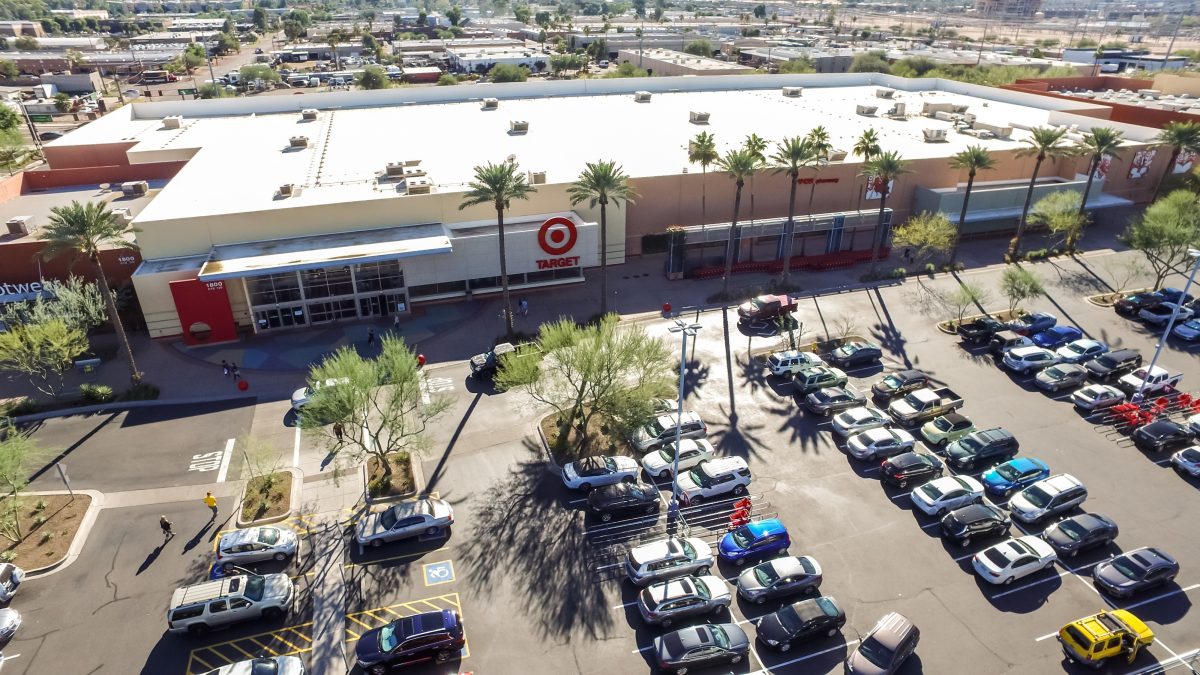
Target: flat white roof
{"x": 237, "y": 161}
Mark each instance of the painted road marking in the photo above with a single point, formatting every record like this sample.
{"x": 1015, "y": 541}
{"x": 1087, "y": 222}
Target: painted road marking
{"x": 438, "y": 573}
{"x": 289, "y": 641}
{"x": 205, "y": 461}
{"x": 380, "y": 616}
{"x": 296, "y": 450}
{"x": 225, "y": 460}
{"x": 845, "y": 645}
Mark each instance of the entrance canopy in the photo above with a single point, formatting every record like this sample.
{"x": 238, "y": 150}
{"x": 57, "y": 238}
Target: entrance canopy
{"x": 231, "y": 261}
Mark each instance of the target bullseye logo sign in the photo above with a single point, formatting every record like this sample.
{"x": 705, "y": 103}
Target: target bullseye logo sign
{"x": 556, "y": 237}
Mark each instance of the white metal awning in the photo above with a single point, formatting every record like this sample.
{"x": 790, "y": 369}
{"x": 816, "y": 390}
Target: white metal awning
{"x": 1096, "y": 200}
{"x": 231, "y": 261}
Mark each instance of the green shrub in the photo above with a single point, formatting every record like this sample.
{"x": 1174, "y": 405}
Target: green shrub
{"x": 96, "y": 393}
{"x": 142, "y": 391}
{"x": 930, "y": 268}
{"x": 899, "y": 273}
{"x": 8, "y": 556}
{"x": 15, "y": 407}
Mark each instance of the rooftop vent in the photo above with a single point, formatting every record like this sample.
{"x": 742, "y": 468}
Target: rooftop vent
{"x": 490, "y": 104}
{"x": 418, "y": 186}
{"x": 298, "y": 142}
{"x": 413, "y": 172}
{"x": 123, "y": 216}
{"x": 308, "y": 114}
{"x": 287, "y": 190}
{"x": 896, "y": 111}
{"x": 865, "y": 110}
{"x": 20, "y": 225}
{"x": 395, "y": 169}
{"x": 641, "y": 96}
{"x": 172, "y": 121}
{"x": 698, "y": 117}
{"x": 518, "y": 126}
{"x": 537, "y": 177}
{"x": 934, "y": 135}
{"x": 135, "y": 188}
{"x": 837, "y": 155}
{"x": 884, "y": 92}
{"x": 793, "y": 92}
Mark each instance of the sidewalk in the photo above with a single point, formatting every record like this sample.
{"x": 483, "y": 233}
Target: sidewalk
{"x": 275, "y": 364}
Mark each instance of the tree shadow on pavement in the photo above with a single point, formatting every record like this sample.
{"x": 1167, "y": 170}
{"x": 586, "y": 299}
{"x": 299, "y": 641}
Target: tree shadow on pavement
{"x": 801, "y": 429}
{"x": 736, "y": 437}
{"x": 1082, "y": 282}
{"x": 522, "y": 535}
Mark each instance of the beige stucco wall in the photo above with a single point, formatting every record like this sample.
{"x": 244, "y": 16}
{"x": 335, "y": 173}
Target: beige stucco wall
{"x": 1170, "y": 83}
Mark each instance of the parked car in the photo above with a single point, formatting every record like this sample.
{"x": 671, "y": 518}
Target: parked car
{"x": 817, "y": 377}
{"x": 911, "y": 467}
{"x": 946, "y": 429}
{"x": 800, "y": 622}
{"x": 1061, "y": 376}
{"x": 485, "y": 364}
{"x": 1176, "y": 295}
{"x": 623, "y": 499}
{"x": 700, "y": 646}
{"x": 974, "y": 522}
{"x": 1097, "y": 397}
{"x": 1015, "y": 474}
{"x": 1187, "y": 461}
{"x": 754, "y": 540}
{"x": 765, "y": 307}
{"x": 1006, "y": 340}
{"x": 1033, "y": 323}
{"x": 1160, "y": 314}
{"x": 1130, "y": 305}
{"x": 1188, "y": 330}
{"x": 1135, "y": 571}
{"x": 1078, "y": 533}
{"x": 267, "y": 665}
{"x": 714, "y": 478}
{"x": 592, "y": 472}
{"x": 50, "y": 135}
{"x": 792, "y": 361}
{"x": 692, "y": 451}
{"x": 255, "y": 544}
{"x": 11, "y": 577}
{"x": 1048, "y": 497}
{"x": 1193, "y": 424}
{"x": 780, "y": 577}
{"x": 899, "y": 383}
{"x": 982, "y": 448}
{"x": 663, "y": 430}
{"x": 1094, "y": 640}
{"x": 924, "y": 404}
{"x": 943, "y": 495}
{"x": 1057, "y": 336}
{"x": 302, "y": 396}
{"x": 10, "y": 623}
{"x": 1025, "y": 360}
{"x": 438, "y": 634}
{"x": 884, "y": 650}
{"x": 1078, "y": 351}
{"x": 1161, "y": 435}
{"x": 879, "y": 442}
{"x": 1112, "y": 365}
{"x": 1014, "y": 559}
{"x": 854, "y": 420}
{"x": 979, "y": 330}
{"x": 855, "y": 354}
{"x": 1150, "y": 381}
{"x": 666, "y": 602}
{"x": 830, "y": 400}
{"x": 668, "y": 558}
{"x": 201, "y": 607}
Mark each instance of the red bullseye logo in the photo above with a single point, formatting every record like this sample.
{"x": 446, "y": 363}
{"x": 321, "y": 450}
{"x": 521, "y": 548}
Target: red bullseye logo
{"x": 557, "y": 235}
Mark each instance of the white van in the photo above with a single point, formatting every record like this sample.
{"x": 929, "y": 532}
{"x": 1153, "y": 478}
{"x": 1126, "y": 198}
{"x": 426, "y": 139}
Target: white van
{"x": 201, "y": 607}
{"x": 233, "y": 77}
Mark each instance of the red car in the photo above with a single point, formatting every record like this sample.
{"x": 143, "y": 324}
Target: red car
{"x": 765, "y": 307}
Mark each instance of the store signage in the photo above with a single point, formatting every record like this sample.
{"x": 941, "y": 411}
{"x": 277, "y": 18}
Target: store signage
{"x": 18, "y": 292}
{"x": 819, "y": 181}
{"x": 556, "y": 237}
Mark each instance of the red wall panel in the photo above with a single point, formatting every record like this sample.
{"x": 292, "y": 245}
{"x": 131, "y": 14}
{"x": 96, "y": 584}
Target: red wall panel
{"x": 203, "y": 303}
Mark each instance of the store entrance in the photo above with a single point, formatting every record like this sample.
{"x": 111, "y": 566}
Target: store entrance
{"x": 383, "y": 304}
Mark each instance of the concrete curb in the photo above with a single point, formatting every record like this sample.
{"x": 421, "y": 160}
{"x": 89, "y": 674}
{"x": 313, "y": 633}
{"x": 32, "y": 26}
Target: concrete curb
{"x": 293, "y": 503}
{"x": 551, "y": 465}
{"x": 125, "y": 405}
{"x": 81, "y": 534}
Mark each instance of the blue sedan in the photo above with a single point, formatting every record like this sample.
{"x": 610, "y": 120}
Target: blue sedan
{"x": 754, "y": 540}
{"x": 1032, "y": 324}
{"x": 1013, "y": 475}
{"x": 1057, "y": 336}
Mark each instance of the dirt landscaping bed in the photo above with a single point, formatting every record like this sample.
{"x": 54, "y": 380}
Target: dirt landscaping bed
{"x": 399, "y": 484}
{"x": 49, "y": 523}
{"x": 951, "y": 327}
{"x": 267, "y": 496}
{"x": 597, "y": 442}
{"x": 1110, "y": 299}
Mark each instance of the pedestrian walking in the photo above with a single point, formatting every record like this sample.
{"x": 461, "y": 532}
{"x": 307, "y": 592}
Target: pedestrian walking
{"x": 211, "y": 502}
{"x": 396, "y": 322}
{"x": 524, "y": 305}
{"x": 167, "y": 528}
{"x": 338, "y": 432}
{"x": 370, "y": 336}
{"x": 908, "y": 255}
{"x": 225, "y": 367}
{"x": 233, "y": 370}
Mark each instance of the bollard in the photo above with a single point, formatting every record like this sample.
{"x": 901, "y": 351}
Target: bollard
{"x": 420, "y": 360}
{"x": 243, "y": 385}
{"x": 666, "y": 309}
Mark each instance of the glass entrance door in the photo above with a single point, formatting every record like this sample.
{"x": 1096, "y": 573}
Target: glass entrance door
{"x": 279, "y": 317}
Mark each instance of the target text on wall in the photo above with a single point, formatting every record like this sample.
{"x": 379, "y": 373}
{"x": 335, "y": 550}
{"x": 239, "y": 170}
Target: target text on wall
{"x": 556, "y": 237}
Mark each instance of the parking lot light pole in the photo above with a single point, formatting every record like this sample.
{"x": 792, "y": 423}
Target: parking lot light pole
{"x": 685, "y": 329}
{"x": 1195, "y": 255}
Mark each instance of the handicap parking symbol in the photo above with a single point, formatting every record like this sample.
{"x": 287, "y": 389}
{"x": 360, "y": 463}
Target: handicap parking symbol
{"x": 439, "y": 573}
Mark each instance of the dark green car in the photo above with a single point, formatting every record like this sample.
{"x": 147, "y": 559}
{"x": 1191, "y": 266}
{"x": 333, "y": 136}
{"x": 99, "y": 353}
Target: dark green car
{"x": 818, "y": 377}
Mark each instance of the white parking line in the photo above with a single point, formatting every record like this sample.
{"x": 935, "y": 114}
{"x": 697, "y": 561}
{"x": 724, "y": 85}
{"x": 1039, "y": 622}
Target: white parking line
{"x": 1160, "y": 596}
{"x": 798, "y": 659}
{"x": 608, "y": 567}
{"x": 935, "y": 523}
{"x": 221, "y": 473}
{"x": 873, "y": 469}
{"x": 1018, "y": 589}
{"x": 964, "y": 557}
{"x": 902, "y": 495}
{"x": 1164, "y": 662}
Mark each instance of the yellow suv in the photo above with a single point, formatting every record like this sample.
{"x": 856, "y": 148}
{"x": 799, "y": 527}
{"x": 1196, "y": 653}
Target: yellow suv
{"x": 1092, "y": 640}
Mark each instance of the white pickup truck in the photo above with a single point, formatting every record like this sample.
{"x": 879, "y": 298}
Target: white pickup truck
{"x": 1150, "y": 380}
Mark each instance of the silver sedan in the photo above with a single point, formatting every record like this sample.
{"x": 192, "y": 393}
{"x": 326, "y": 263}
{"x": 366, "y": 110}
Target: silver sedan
{"x": 404, "y": 521}
{"x": 255, "y": 544}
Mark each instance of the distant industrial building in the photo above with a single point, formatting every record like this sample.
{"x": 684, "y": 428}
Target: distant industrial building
{"x": 19, "y": 28}
{"x": 477, "y": 59}
{"x": 1125, "y": 60}
{"x": 1007, "y": 8}
{"x": 667, "y": 62}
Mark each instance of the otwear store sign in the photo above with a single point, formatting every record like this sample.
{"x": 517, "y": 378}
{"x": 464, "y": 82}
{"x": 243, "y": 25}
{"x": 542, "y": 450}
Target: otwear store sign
{"x": 556, "y": 238}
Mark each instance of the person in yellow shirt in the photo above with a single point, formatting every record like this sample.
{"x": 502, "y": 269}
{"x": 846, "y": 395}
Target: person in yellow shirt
{"x": 211, "y": 502}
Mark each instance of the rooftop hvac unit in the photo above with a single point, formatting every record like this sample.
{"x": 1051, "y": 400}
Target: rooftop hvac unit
{"x": 883, "y": 92}
{"x": 518, "y": 126}
{"x": 641, "y": 96}
{"x": 287, "y": 190}
{"x": 960, "y": 109}
{"x": 298, "y": 142}
{"x": 837, "y": 155}
{"x": 943, "y": 116}
{"x": 123, "y": 216}
{"x": 698, "y": 117}
{"x": 537, "y": 177}
{"x": 413, "y": 172}
{"x": 999, "y": 131}
{"x": 20, "y": 225}
{"x": 490, "y": 104}
{"x": 418, "y": 186}
{"x": 135, "y": 188}
{"x": 793, "y": 92}
{"x": 172, "y": 121}
{"x": 395, "y": 169}
{"x": 865, "y": 110}
{"x": 896, "y": 111}
{"x": 308, "y": 114}
{"x": 934, "y": 135}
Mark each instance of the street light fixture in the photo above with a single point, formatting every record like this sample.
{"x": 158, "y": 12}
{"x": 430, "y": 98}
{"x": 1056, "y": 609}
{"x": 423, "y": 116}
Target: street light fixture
{"x": 1195, "y": 255}
{"x": 685, "y": 329}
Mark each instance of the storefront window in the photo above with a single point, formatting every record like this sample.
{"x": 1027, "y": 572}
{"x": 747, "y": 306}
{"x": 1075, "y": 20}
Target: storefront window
{"x": 327, "y": 282}
{"x": 279, "y": 317}
{"x": 272, "y": 289}
{"x": 438, "y": 289}
{"x": 334, "y": 310}
{"x": 378, "y": 276}
{"x": 484, "y": 282}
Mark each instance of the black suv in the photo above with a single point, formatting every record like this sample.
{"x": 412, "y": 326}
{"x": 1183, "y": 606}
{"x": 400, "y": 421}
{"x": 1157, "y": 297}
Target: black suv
{"x": 980, "y": 330}
{"x": 982, "y": 448}
{"x": 975, "y": 521}
{"x": 1161, "y": 435}
{"x": 1114, "y": 364}
{"x": 622, "y": 499}
{"x": 911, "y": 467}
{"x": 899, "y": 384}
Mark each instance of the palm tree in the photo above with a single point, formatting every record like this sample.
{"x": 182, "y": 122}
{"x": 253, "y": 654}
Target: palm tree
{"x": 334, "y": 38}
{"x": 1179, "y": 136}
{"x": 867, "y": 145}
{"x": 738, "y": 165}
{"x": 499, "y": 184}
{"x": 1099, "y": 142}
{"x": 818, "y": 140}
{"x": 974, "y": 159}
{"x": 702, "y": 150}
{"x": 757, "y": 146}
{"x": 1045, "y": 142}
{"x": 84, "y": 229}
{"x": 602, "y": 183}
{"x": 883, "y": 169}
{"x": 792, "y": 155}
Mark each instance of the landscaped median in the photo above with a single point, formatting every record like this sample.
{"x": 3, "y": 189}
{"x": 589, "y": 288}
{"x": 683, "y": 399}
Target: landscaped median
{"x": 269, "y": 497}
{"x": 40, "y": 529}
